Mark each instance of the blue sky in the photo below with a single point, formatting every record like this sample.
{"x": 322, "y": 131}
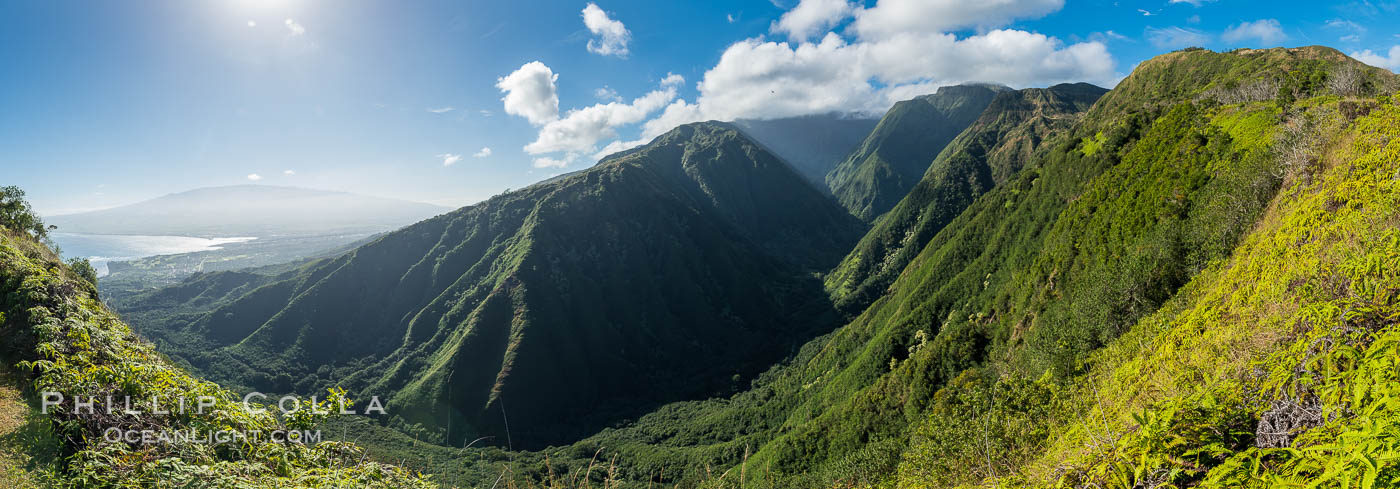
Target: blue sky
{"x": 104, "y": 103}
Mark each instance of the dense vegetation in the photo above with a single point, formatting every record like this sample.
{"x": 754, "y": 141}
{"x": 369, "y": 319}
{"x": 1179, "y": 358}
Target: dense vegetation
{"x": 897, "y": 152}
{"x": 986, "y": 154}
{"x": 1110, "y": 223}
{"x": 685, "y": 267}
{"x": 18, "y": 216}
{"x": 1275, "y": 367}
{"x": 65, "y": 341}
{"x": 976, "y": 348}
{"x": 999, "y": 355}
{"x": 1191, "y": 283}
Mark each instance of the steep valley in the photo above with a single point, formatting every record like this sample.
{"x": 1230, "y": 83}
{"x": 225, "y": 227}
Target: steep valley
{"x": 1191, "y": 279}
{"x": 683, "y": 267}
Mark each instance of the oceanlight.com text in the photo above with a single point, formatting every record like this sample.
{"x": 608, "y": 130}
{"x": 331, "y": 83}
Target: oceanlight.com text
{"x": 220, "y": 437}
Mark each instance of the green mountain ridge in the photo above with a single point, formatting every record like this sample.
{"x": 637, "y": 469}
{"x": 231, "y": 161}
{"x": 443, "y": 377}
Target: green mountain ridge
{"x": 903, "y": 144}
{"x": 681, "y": 267}
{"x": 1106, "y": 222}
{"x": 1188, "y": 281}
{"x": 988, "y": 153}
{"x": 1041, "y": 271}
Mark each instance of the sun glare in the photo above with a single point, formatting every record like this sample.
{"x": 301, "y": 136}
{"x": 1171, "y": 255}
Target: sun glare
{"x": 261, "y": 7}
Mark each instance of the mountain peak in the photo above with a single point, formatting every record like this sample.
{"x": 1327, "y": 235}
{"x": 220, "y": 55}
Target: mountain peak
{"x": 255, "y": 187}
{"x": 697, "y": 129}
{"x": 689, "y": 258}
{"x": 969, "y": 87}
{"x": 250, "y": 210}
{"x": 1238, "y": 75}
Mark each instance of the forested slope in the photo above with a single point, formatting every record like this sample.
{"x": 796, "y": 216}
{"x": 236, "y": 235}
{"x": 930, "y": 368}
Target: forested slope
{"x": 1104, "y": 225}
{"x": 683, "y": 267}
{"x": 1189, "y": 283}
{"x": 902, "y": 146}
{"x": 1274, "y": 367}
{"x": 64, "y": 341}
{"x": 1002, "y": 141}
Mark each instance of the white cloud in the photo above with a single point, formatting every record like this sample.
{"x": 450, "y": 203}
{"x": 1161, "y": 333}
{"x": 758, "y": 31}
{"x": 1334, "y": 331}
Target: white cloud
{"x": 289, "y": 172}
{"x": 1389, "y": 61}
{"x": 616, "y": 146}
{"x": 900, "y": 50}
{"x": 892, "y": 51}
{"x": 1356, "y": 30}
{"x": 441, "y": 110}
{"x": 811, "y": 18}
{"x": 889, "y": 18}
{"x": 756, "y": 79}
{"x": 607, "y": 94}
{"x": 581, "y": 129}
{"x": 530, "y": 93}
{"x": 612, "y": 36}
{"x": 672, "y": 79}
{"x": 730, "y": 18}
{"x": 483, "y": 153}
{"x": 1109, "y": 35}
{"x": 448, "y": 158}
{"x": 677, "y": 113}
{"x": 761, "y": 79}
{"x": 252, "y": 24}
{"x": 1345, "y": 24}
{"x": 1176, "y": 37}
{"x": 254, "y": 177}
{"x": 295, "y": 28}
{"x": 1266, "y": 31}
{"x": 547, "y": 162}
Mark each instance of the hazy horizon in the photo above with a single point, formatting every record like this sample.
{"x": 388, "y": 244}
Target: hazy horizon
{"x": 139, "y": 200}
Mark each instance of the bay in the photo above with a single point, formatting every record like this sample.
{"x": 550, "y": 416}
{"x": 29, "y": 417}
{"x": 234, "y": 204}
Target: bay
{"x": 101, "y": 249}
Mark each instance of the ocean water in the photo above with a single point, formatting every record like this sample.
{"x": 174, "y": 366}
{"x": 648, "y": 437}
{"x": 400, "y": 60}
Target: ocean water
{"x": 104, "y": 248}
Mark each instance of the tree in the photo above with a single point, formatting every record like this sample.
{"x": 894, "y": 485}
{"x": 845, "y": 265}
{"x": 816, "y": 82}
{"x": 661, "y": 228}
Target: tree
{"x": 83, "y": 268}
{"x": 16, "y": 214}
{"x": 1347, "y": 81}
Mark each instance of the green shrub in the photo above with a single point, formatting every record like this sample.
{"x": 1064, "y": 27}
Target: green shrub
{"x": 71, "y": 344}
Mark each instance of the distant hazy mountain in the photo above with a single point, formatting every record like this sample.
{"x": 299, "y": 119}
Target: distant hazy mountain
{"x": 812, "y": 144}
{"x": 895, "y": 154}
{"x": 673, "y": 271}
{"x": 250, "y": 210}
